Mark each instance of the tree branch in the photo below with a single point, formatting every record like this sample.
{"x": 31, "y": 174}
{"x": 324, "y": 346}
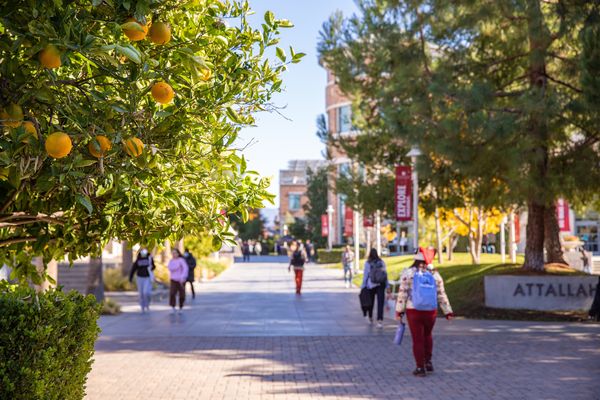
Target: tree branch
{"x": 8, "y": 242}
{"x": 563, "y": 83}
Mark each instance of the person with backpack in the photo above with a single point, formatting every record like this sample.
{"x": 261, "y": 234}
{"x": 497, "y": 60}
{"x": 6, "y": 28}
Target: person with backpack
{"x": 297, "y": 260}
{"x": 191, "y": 262}
{"x": 347, "y": 261}
{"x": 421, "y": 292}
{"x": 142, "y": 268}
{"x": 376, "y": 281}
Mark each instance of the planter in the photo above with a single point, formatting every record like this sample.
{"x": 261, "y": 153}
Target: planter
{"x": 539, "y": 292}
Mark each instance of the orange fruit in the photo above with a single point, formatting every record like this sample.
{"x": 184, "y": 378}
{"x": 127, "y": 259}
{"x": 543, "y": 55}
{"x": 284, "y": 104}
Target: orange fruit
{"x": 162, "y": 92}
{"x": 99, "y": 147}
{"x": 12, "y": 115}
{"x": 134, "y": 30}
{"x": 160, "y": 33}
{"x": 205, "y": 74}
{"x": 58, "y": 145}
{"x": 49, "y": 57}
{"x": 30, "y": 129}
{"x": 133, "y": 146}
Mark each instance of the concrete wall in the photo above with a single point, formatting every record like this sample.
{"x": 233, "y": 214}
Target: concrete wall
{"x": 546, "y": 293}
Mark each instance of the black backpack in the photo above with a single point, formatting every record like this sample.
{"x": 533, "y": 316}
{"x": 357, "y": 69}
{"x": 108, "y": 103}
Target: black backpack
{"x": 297, "y": 259}
{"x": 377, "y": 274}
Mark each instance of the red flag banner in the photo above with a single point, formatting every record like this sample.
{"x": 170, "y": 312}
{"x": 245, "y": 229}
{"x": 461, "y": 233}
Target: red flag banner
{"x": 368, "y": 221}
{"x": 324, "y": 225}
{"x": 348, "y": 221}
{"x": 562, "y": 215}
{"x": 403, "y": 193}
{"x": 517, "y": 229}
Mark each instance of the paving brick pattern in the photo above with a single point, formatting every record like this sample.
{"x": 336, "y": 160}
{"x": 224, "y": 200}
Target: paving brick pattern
{"x": 318, "y": 347}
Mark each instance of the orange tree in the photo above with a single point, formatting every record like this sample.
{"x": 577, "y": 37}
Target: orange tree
{"x": 119, "y": 118}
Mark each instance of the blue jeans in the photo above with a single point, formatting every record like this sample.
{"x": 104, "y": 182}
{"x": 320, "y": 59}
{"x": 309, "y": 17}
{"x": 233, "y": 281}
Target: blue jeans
{"x": 144, "y": 286}
{"x": 347, "y": 272}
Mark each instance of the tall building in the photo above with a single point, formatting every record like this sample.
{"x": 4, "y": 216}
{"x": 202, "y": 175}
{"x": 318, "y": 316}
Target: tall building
{"x": 292, "y": 189}
{"x": 339, "y": 123}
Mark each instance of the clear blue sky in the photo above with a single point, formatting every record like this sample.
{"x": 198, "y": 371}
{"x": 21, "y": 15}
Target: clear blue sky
{"x": 276, "y": 139}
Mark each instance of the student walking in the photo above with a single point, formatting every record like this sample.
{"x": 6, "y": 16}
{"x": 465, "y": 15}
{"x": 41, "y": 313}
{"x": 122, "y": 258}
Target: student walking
{"x": 191, "y": 262}
{"x": 297, "y": 260}
{"x": 245, "y": 251}
{"x": 142, "y": 269}
{"x": 421, "y": 291}
{"x": 347, "y": 261}
{"x": 178, "y": 270}
{"x": 375, "y": 279}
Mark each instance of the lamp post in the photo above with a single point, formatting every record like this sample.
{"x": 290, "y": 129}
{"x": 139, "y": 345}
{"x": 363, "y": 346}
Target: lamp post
{"x": 413, "y": 154}
{"x": 356, "y": 241}
{"x": 330, "y": 225}
{"x": 503, "y": 239}
{"x": 378, "y": 232}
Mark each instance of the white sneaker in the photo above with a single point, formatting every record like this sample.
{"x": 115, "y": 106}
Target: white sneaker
{"x": 180, "y": 311}
{"x": 369, "y": 320}
{"x": 173, "y": 311}
{"x": 379, "y": 324}
{"x": 347, "y": 285}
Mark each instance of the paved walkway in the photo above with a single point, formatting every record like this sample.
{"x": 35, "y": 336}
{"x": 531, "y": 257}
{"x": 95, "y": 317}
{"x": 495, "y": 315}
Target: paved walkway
{"x": 247, "y": 336}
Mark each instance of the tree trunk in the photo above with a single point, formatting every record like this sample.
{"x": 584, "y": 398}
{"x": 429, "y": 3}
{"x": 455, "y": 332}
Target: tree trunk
{"x": 438, "y": 234}
{"x": 451, "y": 243}
{"x": 95, "y": 283}
{"x": 126, "y": 258}
{"x": 534, "y": 250}
{"x": 554, "y": 253}
{"x": 539, "y": 41}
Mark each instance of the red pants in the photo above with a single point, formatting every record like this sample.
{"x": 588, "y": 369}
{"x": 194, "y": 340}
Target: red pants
{"x": 421, "y": 325}
{"x": 298, "y": 277}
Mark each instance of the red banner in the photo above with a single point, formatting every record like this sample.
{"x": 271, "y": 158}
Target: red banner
{"x": 368, "y": 221}
{"x": 348, "y": 222}
{"x": 324, "y": 225}
{"x": 562, "y": 214}
{"x": 517, "y": 228}
{"x": 403, "y": 193}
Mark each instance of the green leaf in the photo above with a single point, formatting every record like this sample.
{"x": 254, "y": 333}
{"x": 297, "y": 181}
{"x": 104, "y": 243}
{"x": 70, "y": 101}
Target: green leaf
{"x": 130, "y": 52}
{"x": 132, "y": 26}
{"x": 85, "y": 163}
{"x": 285, "y": 23}
{"x": 85, "y": 201}
{"x": 280, "y": 54}
{"x": 269, "y": 18}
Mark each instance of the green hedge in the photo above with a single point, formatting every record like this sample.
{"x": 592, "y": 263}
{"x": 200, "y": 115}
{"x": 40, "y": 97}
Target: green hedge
{"x": 329, "y": 257}
{"x": 46, "y": 343}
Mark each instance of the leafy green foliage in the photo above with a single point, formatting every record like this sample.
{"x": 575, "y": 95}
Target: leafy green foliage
{"x": 188, "y": 174}
{"x": 46, "y": 343}
{"x": 249, "y": 225}
{"x": 316, "y": 191}
{"x": 329, "y": 257}
{"x": 499, "y": 97}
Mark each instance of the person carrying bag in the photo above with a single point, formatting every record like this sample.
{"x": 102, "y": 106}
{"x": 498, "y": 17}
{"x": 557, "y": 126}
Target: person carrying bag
{"x": 421, "y": 292}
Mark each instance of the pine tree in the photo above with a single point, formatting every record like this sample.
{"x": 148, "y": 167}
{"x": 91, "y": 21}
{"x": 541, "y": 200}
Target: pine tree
{"x": 492, "y": 92}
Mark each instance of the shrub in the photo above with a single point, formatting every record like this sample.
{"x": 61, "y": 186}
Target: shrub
{"x": 46, "y": 343}
{"x": 114, "y": 281}
{"x": 329, "y": 257}
{"x": 214, "y": 268}
{"x": 110, "y": 307}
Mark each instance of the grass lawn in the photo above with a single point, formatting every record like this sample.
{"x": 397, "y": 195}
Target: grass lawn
{"x": 464, "y": 286}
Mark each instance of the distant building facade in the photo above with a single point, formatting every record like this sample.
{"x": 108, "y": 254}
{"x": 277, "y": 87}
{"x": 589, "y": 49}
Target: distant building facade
{"x": 292, "y": 189}
{"x": 339, "y": 122}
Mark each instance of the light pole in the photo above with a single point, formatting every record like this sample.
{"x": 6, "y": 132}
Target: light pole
{"x": 330, "y": 225}
{"x": 356, "y": 241}
{"x": 413, "y": 154}
{"x": 503, "y": 239}
{"x": 378, "y": 232}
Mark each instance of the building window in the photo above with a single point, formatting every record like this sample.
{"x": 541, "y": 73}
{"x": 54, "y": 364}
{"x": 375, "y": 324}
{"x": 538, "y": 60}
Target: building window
{"x": 344, "y": 170}
{"x": 294, "y": 202}
{"x": 344, "y": 119}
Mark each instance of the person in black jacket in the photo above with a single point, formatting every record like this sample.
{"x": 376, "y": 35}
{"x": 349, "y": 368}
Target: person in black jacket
{"x": 191, "y": 262}
{"x": 142, "y": 268}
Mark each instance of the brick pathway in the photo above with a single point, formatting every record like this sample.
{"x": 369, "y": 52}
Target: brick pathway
{"x": 247, "y": 337}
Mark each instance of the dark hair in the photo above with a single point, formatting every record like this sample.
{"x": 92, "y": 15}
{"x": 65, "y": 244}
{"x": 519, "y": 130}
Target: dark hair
{"x": 417, "y": 263}
{"x": 373, "y": 256}
{"x": 176, "y": 250}
{"x": 186, "y": 249}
